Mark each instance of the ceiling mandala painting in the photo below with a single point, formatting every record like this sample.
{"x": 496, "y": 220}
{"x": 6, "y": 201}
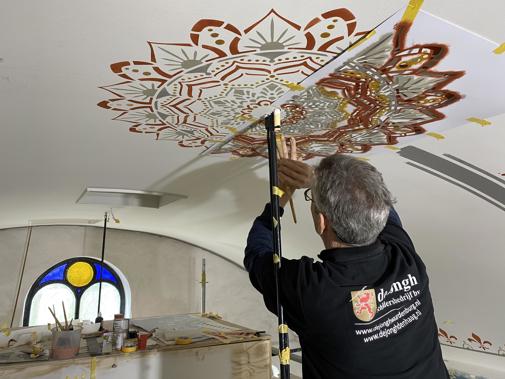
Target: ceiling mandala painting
{"x": 212, "y": 92}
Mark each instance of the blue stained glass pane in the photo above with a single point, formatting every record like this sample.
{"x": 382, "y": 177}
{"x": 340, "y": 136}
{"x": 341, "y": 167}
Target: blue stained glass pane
{"x": 55, "y": 274}
{"x": 107, "y": 275}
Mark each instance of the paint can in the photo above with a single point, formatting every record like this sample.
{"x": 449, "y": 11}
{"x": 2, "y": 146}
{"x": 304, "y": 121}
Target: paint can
{"x": 142, "y": 340}
{"x": 120, "y": 327}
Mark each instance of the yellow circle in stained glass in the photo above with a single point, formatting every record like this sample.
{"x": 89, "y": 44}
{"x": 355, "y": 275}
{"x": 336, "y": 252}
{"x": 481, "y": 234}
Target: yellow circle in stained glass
{"x": 80, "y": 274}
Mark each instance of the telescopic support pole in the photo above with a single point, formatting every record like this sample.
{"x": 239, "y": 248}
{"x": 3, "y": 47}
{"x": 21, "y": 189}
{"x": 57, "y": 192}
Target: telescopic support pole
{"x": 99, "y": 318}
{"x": 272, "y": 124}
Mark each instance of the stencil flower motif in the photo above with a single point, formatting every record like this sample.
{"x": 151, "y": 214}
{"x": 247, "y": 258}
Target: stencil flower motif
{"x": 475, "y": 340}
{"x": 446, "y": 337}
{"x": 199, "y": 92}
{"x": 204, "y": 91}
{"x": 387, "y": 91}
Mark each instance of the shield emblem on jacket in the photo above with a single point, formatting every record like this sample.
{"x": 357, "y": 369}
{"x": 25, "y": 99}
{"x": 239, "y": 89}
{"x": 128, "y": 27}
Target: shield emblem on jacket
{"x": 364, "y": 304}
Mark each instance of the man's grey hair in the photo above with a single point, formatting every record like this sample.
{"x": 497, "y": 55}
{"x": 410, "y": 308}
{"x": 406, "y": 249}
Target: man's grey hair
{"x": 352, "y": 195}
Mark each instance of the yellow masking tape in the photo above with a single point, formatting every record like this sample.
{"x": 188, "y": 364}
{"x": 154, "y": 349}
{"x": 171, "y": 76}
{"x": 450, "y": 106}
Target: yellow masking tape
{"x": 183, "y": 341}
{"x": 283, "y": 328}
{"x": 277, "y": 191}
{"x": 232, "y": 129}
{"x": 500, "y": 49}
{"x": 480, "y": 121}
{"x": 92, "y": 370}
{"x": 244, "y": 117}
{"x": 4, "y": 328}
{"x": 394, "y": 148}
{"x": 277, "y": 117}
{"x": 412, "y": 10}
{"x": 284, "y": 356}
{"x": 295, "y": 87}
{"x": 277, "y": 259}
{"x": 435, "y": 135}
{"x": 129, "y": 349}
{"x": 364, "y": 39}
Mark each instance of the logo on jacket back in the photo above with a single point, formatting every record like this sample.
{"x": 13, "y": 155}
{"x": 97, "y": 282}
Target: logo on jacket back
{"x": 364, "y": 304}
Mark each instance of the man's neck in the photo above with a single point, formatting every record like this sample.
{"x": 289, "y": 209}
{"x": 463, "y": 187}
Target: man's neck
{"x": 333, "y": 244}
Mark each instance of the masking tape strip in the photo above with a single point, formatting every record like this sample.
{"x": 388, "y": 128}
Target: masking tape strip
{"x": 295, "y": 87}
{"x": 4, "y": 328}
{"x": 480, "y": 121}
{"x": 277, "y": 191}
{"x": 283, "y": 328}
{"x": 412, "y": 10}
{"x": 275, "y": 222}
{"x": 435, "y": 135}
{"x": 277, "y": 259}
{"x": 92, "y": 370}
{"x": 500, "y": 49}
{"x": 183, "y": 341}
{"x": 277, "y": 117}
{"x": 285, "y": 356}
{"x": 362, "y": 40}
{"x": 394, "y": 148}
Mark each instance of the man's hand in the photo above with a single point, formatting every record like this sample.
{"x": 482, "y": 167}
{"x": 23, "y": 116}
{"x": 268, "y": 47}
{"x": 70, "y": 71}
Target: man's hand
{"x": 292, "y": 173}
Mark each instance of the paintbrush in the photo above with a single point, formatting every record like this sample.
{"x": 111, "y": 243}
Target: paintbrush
{"x": 281, "y": 149}
{"x": 65, "y": 315}
{"x": 58, "y": 324}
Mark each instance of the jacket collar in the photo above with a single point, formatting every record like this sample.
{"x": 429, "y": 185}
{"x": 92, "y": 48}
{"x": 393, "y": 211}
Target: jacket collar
{"x": 349, "y": 254}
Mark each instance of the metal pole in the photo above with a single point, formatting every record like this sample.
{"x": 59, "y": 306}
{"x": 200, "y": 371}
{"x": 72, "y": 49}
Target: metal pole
{"x": 272, "y": 124}
{"x": 204, "y": 284}
{"x": 99, "y": 314}
{"x": 22, "y": 272}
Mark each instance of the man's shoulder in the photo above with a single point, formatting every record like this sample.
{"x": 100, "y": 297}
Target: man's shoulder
{"x": 305, "y": 268}
{"x": 397, "y": 235}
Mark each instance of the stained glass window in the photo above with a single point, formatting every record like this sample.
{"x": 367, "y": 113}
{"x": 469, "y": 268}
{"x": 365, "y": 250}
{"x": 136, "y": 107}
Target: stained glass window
{"x": 55, "y": 274}
{"x": 76, "y": 282}
{"x": 89, "y": 302}
{"x": 51, "y": 296}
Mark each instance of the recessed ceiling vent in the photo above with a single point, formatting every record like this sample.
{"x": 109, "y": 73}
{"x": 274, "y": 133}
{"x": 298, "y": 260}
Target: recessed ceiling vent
{"x": 114, "y": 197}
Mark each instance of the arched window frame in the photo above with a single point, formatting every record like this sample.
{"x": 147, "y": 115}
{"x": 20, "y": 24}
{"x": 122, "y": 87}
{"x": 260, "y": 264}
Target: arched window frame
{"x": 77, "y": 291}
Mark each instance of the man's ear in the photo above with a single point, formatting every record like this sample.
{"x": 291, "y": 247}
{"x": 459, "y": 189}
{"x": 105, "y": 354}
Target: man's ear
{"x": 321, "y": 223}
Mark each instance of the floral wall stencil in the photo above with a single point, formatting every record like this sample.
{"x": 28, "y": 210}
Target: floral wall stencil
{"x": 385, "y": 92}
{"x": 446, "y": 338}
{"x": 473, "y": 342}
{"x": 197, "y": 93}
{"x": 208, "y": 93}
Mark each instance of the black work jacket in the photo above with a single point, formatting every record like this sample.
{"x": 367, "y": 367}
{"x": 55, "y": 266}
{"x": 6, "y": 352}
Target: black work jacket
{"x": 362, "y": 312}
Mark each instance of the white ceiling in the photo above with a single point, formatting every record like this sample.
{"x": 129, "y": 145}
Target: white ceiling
{"x": 55, "y": 140}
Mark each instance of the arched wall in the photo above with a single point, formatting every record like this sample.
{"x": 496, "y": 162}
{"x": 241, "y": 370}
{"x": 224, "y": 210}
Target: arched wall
{"x": 163, "y": 273}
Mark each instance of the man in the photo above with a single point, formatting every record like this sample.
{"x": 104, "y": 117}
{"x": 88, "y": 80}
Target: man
{"x": 365, "y": 310}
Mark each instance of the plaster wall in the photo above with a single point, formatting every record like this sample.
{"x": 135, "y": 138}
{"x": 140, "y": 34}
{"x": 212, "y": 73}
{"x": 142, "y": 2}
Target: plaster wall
{"x": 163, "y": 273}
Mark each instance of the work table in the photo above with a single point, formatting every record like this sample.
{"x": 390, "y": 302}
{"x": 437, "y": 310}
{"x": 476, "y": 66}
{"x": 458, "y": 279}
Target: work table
{"x": 248, "y": 355}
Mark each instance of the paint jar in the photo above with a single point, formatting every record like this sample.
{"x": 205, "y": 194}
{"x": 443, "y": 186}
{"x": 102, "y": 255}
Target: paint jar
{"x": 107, "y": 341}
{"x": 120, "y": 327}
{"x": 65, "y": 344}
{"x": 143, "y": 337}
